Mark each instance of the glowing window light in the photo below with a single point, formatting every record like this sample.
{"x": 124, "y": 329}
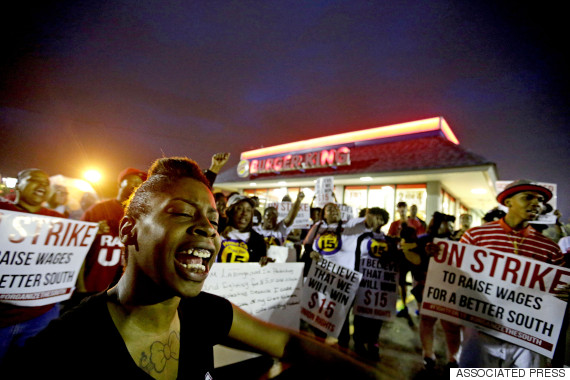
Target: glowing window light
{"x": 426, "y": 125}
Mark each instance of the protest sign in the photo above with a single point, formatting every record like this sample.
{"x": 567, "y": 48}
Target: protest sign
{"x": 40, "y": 257}
{"x": 346, "y": 212}
{"x": 303, "y": 218}
{"x": 271, "y": 293}
{"x": 327, "y": 295}
{"x": 547, "y": 216}
{"x": 324, "y": 187}
{"x": 505, "y": 295}
{"x": 378, "y": 291}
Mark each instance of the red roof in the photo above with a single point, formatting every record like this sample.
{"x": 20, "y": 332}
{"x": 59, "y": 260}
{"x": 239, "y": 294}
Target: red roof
{"x": 424, "y": 153}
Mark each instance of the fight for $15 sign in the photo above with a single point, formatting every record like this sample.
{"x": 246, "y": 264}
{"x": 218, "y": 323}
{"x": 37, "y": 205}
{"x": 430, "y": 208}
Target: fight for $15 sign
{"x": 40, "y": 257}
{"x": 327, "y": 295}
{"x": 507, "y": 296}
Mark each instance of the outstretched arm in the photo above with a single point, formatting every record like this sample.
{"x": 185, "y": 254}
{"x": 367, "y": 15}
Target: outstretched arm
{"x": 298, "y": 349}
{"x": 294, "y": 210}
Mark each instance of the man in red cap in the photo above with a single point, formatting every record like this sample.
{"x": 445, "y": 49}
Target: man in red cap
{"x": 514, "y": 235}
{"x": 103, "y": 265}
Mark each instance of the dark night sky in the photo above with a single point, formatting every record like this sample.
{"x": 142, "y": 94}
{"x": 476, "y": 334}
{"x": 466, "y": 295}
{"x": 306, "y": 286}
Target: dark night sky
{"x": 113, "y": 84}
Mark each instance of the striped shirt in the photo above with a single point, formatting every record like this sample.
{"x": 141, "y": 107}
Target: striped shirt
{"x": 527, "y": 242}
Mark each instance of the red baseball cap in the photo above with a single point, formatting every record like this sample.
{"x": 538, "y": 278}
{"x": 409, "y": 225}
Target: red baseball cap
{"x": 132, "y": 171}
{"x": 523, "y": 185}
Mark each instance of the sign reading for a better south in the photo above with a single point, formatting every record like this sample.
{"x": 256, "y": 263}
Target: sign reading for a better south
{"x": 508, "y": 296}
{"x": 40, "y": 257}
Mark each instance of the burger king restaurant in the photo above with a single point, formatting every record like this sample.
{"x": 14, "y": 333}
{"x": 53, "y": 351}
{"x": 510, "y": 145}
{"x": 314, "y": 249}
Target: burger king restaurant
{"x": 419, "y": 162}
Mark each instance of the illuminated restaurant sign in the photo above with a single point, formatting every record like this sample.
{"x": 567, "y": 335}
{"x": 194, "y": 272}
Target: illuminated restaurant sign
{"x": 289, "y": 162}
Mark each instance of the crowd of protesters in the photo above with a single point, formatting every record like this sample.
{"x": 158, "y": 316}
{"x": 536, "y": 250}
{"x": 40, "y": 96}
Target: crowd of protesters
{"x": 125, "y": 223}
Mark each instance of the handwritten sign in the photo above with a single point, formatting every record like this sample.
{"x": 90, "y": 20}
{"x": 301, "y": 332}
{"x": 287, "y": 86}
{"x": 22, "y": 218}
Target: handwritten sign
{"x": 378, "y": 292}
{"x": 327, "y": 295}
{"x": 507, "y": 296}
{"x": 303, "y": 218}
{"x": 271, "y": 293}
{"x": 324, "y": 187}
{"x": 40, "y": 257}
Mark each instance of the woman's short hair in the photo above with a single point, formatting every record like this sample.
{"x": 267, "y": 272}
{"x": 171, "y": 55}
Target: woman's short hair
{"x": 161, "y": 175}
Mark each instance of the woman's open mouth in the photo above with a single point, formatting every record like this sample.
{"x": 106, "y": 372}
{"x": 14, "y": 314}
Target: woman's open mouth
{"x": 193, "y": 264}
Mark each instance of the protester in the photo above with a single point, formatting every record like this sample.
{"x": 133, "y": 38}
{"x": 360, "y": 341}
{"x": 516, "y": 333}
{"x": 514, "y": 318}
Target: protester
{"x": 415, "y": 218}
{"x": 275, "y": 232}
{"x": 336, "y": 241}
{"x": 240, "y": 242}
{"x": 394, "y": 231}
{"x": 58, "y": 200}
{"x": 221, "y": 205}
{"x": 465, "y": 221}
{"x": 103, "y": 266}
{"x": 367, "y": 330}
{"x": 440, "y": 226}
{"x": 511, "y": 234}
{"x": 87, "y": 200}
{"x": 17, "y": 324}
{"x": 156, "y": 321}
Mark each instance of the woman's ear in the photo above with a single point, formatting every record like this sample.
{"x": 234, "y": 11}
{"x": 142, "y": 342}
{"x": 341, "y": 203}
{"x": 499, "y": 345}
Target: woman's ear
{"x": 128, "y": 231}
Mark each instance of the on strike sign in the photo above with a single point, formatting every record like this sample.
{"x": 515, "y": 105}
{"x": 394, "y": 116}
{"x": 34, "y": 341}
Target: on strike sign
{"x": 40, "y": 257}
{"x": 508, "y": 296}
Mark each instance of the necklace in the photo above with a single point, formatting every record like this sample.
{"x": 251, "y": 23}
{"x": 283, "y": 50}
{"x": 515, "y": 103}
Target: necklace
{"x": 516, "y": 243}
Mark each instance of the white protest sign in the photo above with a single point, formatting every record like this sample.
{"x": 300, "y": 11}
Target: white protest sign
{"x": 378, "y": 291}
{"x": 271, "y": 293}
{"x": 280, "y": 254}
{"x": 303, "y": 218}
{"x": 40, "y": 257}
{"x": 505, "y": 295}
{"x": 546, "y": 218}
{"x": 346, "y": 212}
{"x": 324, "y": 187}
{"x": 327, "y": 295}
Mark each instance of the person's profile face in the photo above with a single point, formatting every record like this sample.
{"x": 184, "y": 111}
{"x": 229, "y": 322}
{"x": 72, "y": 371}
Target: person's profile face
{"x": 34, "y": 188}
{"x": 270, "y": 218}
{"x": 374, "y": 221}
{"x": 242, "y": 216}
{"x": 177, "y": 239}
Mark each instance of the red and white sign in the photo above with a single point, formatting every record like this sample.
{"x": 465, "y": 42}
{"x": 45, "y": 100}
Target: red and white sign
{"x": 288, "y": 162}
{"x": 40, "y": 257}
{"x": 508, "y": 296}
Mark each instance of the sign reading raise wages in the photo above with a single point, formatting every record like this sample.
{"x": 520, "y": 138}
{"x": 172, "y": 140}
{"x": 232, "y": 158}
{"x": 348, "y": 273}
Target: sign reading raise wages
{"x": 40, "y": 257}
{"x": 505, "y": 295}
{"x": 327, "y": 295}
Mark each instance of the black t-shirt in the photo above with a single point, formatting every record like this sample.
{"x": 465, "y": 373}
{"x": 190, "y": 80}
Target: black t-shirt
{"x": 85, "y": 344}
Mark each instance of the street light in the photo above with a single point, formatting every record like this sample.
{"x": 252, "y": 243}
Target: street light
{"x": 92, "y": 175}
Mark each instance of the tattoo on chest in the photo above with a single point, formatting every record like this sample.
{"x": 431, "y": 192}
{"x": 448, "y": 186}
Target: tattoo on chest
{"x": 159, "y": 353}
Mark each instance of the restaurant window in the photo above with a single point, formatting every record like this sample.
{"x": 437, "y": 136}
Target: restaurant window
{"x": 447, "y": 203}
{"x": 383, "y": 197}
{"x": 356, "y": 197}
{"x": 412, "y": 194}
